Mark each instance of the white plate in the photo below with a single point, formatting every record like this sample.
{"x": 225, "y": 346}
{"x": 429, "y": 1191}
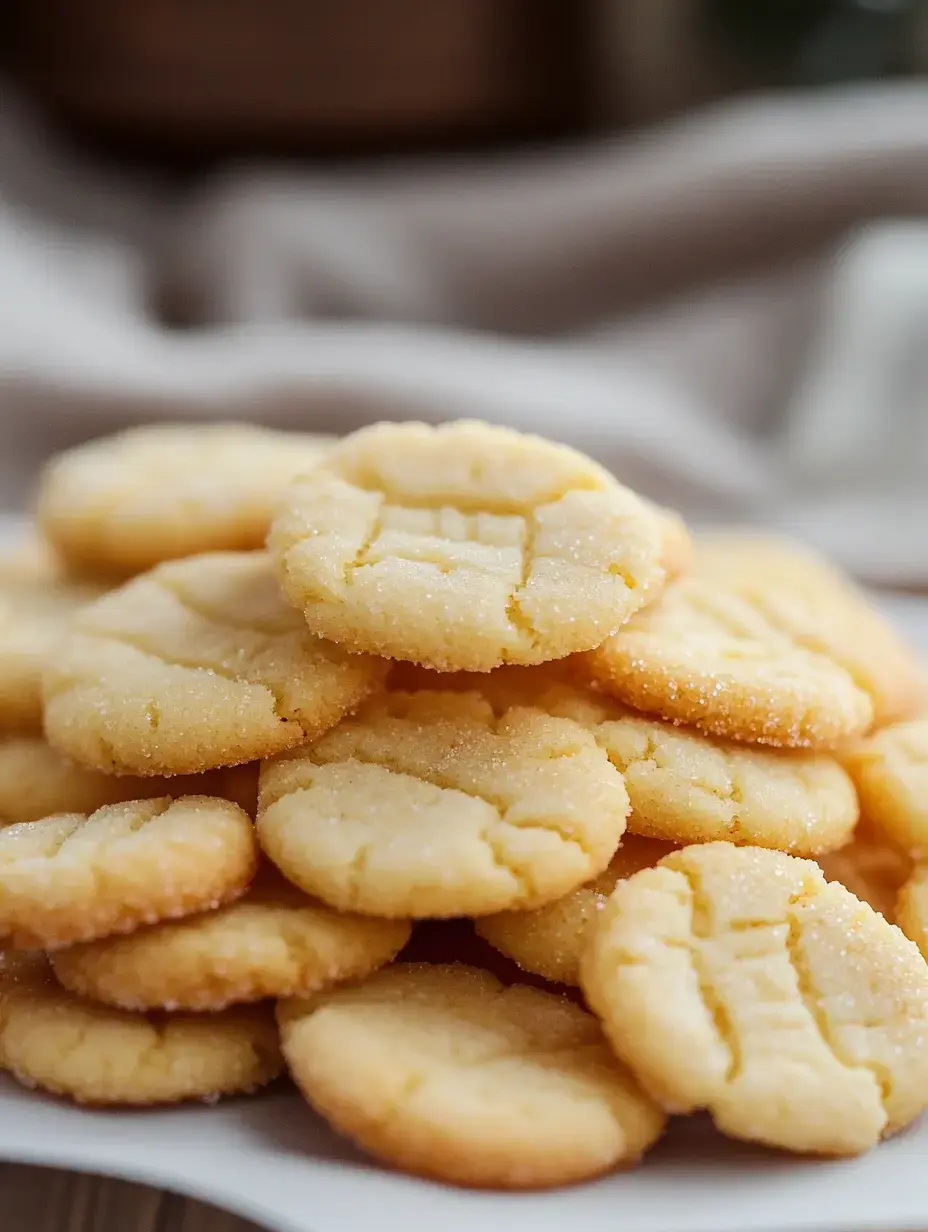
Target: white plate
{"x": 271, "y": 1160}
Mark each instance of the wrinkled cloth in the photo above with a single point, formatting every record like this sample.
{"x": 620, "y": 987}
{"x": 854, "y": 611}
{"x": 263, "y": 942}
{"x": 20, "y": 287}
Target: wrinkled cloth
{"x": 730, "y": 310}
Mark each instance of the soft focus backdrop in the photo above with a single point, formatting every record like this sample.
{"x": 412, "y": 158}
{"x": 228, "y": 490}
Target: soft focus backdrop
{"x": 689, "y": 238}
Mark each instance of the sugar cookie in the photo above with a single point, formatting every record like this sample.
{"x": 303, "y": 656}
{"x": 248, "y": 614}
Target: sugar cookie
{"x": 684, "y": 786}
{"x": 29, "y": 558}
{"x": 704, "y": 656}
{"x": 274, "y": 942}
{"x": 429, "y": 804}
{"x": 198, "y": 664}
{"x": 36, "y": 782}
{"x": 818, "y": 607}
{"x": 890, "y": 769}
{"x": 871, "y": 868}
{"x": 464, "y": 546}
{"x": 34, "y": 615}
{"x": 736, "y": 979}
{"x": 548, "y": 941}
{"x": 912, "y": 907}
{"x": 73, "y": 878}
{"x": 121, "y": 504}
{"x": 446, "y": 1073}
{"x": 95, "y": 1054}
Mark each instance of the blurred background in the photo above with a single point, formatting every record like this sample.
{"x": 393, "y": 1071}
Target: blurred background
{"x": 687, "y": 236}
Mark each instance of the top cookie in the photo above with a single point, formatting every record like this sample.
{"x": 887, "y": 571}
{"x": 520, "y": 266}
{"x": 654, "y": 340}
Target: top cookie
{"x": 819, "y": 608}
{"x": 465, "y": 546}
{"x": 120, "y": 505}
{"x": 198, "y": 664}
{"x": 703, "y": 655}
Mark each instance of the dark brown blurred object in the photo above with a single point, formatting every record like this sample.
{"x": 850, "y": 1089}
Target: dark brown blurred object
{"x": 222, "y": 76}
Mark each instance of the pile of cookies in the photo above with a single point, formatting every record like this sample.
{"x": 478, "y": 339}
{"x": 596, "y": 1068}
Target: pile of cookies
{"x": 276, "y": 706}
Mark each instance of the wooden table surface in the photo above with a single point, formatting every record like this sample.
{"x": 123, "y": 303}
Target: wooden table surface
{"x": 46, "y": 1200}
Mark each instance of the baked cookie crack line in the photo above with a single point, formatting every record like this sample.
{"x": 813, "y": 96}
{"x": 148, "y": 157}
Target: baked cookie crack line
{"x": 226, "y": 622}
{"x": 809, "y": 996}
{"x": 499, "y": 805}
{"x": 191, "y": 665}
{"x": 359, "y": 560}
{"x": 725, "y": 1027}
{"x": 514, "y": 613}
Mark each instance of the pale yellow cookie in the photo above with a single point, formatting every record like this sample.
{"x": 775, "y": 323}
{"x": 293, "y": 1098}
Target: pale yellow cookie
{"x": 676, "y": 542}
{"x": 684, "y": 786}
{"x": 738, "y": 980}
{"x": 198, "y": 664}
{"x": 73, "y": 878}
{"x": 464, "y": 546}
{"x": 702, "y": 655}
{"x": 912, "y": 907}
{"x": 34, "y": 616}
{"x": 95, "y": 1054}
{"x": 890, "y": 769}
{"x": 871, "y": 868}
{"x": 818, "y": 607}
{"x": 274, "y": 942}
{"x": 121, "y": 504}
{"x": 444, "y": 1072}
{"x": 549, "y": 941}
{"x": 430, "y": 804}
{"x": 37, "y": 782}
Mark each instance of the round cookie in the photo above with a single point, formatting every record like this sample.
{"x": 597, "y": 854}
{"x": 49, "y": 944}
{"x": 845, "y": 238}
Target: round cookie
{"x": 430, "y": 804}
{"x": 738, "y": 980}
{"x": 464, "y": 546}
{"x": 444, "y": 1072}
{"x": 73, "y": 878}
{"x": 198, "y": 664}
{"x": 871, "y": 868}
{"x": 912, "y": 907}
{"x": 684, "y": 786}
{"x": 549, "y": 941}
{"x": 121, "y": 504}
{"x": 34, "y": 616}
{"x": 36, "y": 781}
{"x": 702, "y": 655}
{"x": 818, "y": 607}
{"x": 98, "y": 1055}
{"x": 890, "y": 769}
{"x": 274, "y": 942}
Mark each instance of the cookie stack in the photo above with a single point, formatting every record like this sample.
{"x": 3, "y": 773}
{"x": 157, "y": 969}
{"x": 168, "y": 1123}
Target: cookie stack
{"x": 277, "y": 704}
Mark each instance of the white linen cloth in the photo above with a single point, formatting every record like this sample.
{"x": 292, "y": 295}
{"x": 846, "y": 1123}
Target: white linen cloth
{"x": 730, "y": 311}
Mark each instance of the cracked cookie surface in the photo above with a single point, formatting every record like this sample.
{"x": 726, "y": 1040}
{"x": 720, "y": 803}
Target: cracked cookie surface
{"x": 73, "y": 878}
{"x": 35, "y": 613}
{"x": 121, "y": 504}
{"x": 684, "y": 786}
{"x": 465, "y": 546}
{"x": 430, "y": 804}
{"x": 818, "y": 607}
{"x": 444, "y": 1072}
{"x": 549, "y": 940}
{"x": 95, "y": 1054}
{"x": 198, "y": 664}
{"x": 890, "y": 770}
{"x": 702, "y": 655}
{"x": 738, "y": 980}
{"x": 273, "y": 942}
